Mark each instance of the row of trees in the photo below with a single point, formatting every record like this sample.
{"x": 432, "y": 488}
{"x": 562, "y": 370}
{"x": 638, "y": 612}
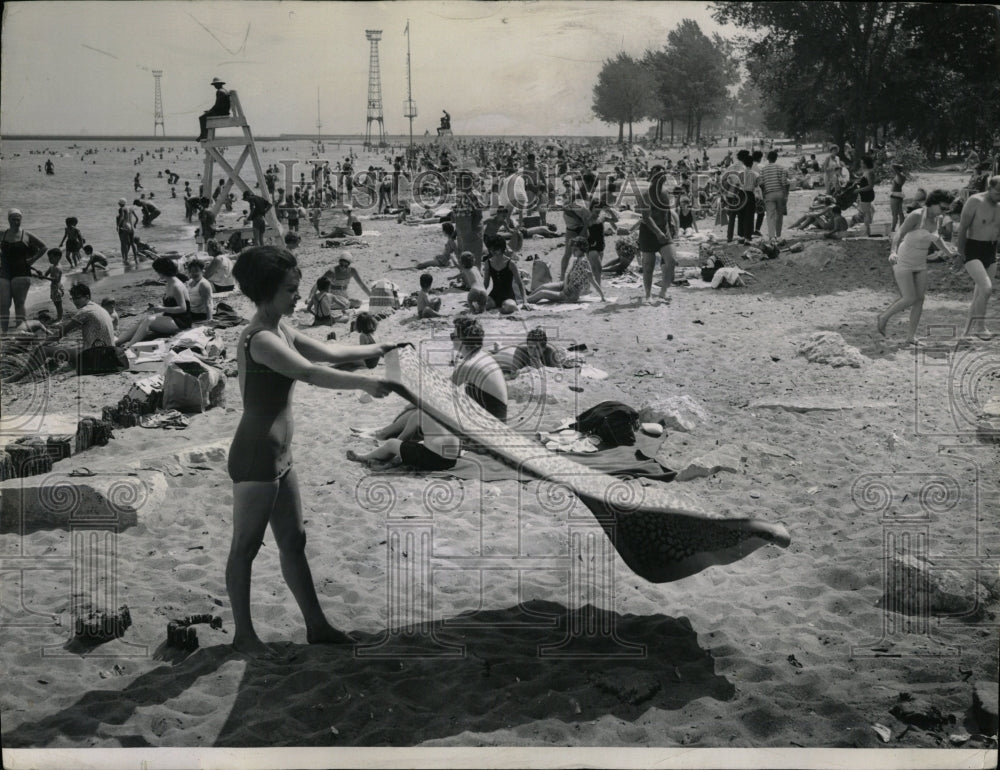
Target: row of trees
{"x": 684, "y": 82}
{"x": 873, "y": 70}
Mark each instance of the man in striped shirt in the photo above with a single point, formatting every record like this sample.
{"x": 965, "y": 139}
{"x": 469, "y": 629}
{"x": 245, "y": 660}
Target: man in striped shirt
{"x": 774, "y": 184}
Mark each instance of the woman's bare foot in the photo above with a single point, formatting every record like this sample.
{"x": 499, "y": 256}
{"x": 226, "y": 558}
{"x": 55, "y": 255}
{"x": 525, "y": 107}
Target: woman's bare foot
{"x": 254, "y": 648}
{"x": 327, "y": 634}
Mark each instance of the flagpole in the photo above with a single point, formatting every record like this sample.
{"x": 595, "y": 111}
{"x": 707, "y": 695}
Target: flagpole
{"x": 410, "y": 111}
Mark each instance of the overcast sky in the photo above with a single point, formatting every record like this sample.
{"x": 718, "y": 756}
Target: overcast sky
{"x": 501, "y": 67}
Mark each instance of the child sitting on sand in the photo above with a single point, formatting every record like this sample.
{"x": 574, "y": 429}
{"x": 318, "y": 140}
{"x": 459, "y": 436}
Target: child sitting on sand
{"x": 109, "y": 305}
{"x": 366, "y": 325}
{"x": 837, "y": 226}
{"x": 687, "y": 224}
{"x": 477, "y": 297}
{"x": 323, "y": 302}
{"x": 450, "y": 253}
{"x": 94, "y": 260}
{"x": 536, "y": 352}
{"x": 427, "y": 306}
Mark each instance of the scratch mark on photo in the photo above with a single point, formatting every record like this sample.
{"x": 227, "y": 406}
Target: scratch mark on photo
{"x": 229, "y": 50}
{"x": 99, "y": 50}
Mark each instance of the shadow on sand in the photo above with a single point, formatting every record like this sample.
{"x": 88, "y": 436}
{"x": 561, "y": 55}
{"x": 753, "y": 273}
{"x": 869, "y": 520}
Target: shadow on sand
{"x": 475, "y": 672}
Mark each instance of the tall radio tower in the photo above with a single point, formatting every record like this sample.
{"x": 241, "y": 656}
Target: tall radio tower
{"x": 158, "y": 106}
{"x": 374, "y": 92}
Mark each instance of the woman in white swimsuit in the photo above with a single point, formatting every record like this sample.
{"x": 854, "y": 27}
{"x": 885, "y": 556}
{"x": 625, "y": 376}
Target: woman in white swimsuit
{"x": 910, "y": 247}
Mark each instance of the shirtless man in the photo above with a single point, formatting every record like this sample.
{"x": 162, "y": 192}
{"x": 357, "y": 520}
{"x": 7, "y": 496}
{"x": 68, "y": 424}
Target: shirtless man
{"x": 978, "y": 234}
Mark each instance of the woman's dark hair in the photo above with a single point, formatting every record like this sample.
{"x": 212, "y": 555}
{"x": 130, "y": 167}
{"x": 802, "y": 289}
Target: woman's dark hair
{"x": 580, "y": 243}
{"x": 868, "y": 160}
{"x": 366, "y": 323}
{"x": 495, "y": 243}
{"x": 448, "y": 227}
{"x": 471, "y": 334}
{"x": 260, "y": 271}
{"x": 938, "y": 198}
{"x": 165, "y": 266}
{"x": 538, "y": 335}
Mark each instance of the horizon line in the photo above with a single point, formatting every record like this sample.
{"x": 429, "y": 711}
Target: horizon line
{"x": 308, "y": 137}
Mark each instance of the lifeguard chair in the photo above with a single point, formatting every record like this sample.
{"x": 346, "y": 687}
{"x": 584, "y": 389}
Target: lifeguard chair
{"x": 214, "y": 147}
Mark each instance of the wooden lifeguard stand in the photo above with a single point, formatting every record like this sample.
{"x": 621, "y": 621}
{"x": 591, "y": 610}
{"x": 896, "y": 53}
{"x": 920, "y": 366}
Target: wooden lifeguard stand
{"x": 214, "y": 147}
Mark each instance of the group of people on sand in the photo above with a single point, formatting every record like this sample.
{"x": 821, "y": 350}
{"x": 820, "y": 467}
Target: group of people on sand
{"x": 975, "y": 243}
{"x": 273, "y": 355}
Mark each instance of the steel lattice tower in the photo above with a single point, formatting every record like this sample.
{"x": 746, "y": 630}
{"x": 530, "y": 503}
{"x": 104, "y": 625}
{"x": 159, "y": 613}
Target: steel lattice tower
{"x": 374, "y": 92}
{"x": 158, "y": 106}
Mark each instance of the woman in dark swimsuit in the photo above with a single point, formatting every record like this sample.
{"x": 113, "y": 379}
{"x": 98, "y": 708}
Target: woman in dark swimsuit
{"x": 501, "y": 274}
{"x": 595, "y": 234}
{"x": 171, "y": 317}
{"x": 18, "y": 250}
{"x": 271, "y": 357}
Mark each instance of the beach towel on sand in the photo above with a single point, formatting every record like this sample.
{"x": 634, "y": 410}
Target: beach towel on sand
{"x": 662, "y": 535}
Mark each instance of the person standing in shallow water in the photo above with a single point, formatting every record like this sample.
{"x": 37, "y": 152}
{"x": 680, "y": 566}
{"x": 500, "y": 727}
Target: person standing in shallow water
{"x": 125, "y": 222}
{"x": 272, "y": 356}
{"x": 19, "y": 249}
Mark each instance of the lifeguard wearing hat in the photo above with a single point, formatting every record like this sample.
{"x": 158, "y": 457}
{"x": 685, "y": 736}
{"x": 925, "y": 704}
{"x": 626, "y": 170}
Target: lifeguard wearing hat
{"x": 219, "y": 109}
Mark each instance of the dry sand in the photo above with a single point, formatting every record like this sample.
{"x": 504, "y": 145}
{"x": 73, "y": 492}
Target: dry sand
{"x": 773, "y": 651}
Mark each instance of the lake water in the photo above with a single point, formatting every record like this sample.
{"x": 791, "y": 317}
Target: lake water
{"x": 88, "y": 186}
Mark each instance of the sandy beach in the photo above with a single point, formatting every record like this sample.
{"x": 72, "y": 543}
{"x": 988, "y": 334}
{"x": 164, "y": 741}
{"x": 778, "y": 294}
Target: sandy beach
{"x": 495, "y": 640}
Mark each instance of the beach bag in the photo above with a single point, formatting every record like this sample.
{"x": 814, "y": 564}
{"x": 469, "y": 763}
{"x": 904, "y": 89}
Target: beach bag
{"x": 103, "y": 359}
{"x": 540, "y": 274}
{"x": 613, "y": 422}
{"x": 91, "y": 431}
{"x": 191, "y": 386}
{"x": 384, "y": 299}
